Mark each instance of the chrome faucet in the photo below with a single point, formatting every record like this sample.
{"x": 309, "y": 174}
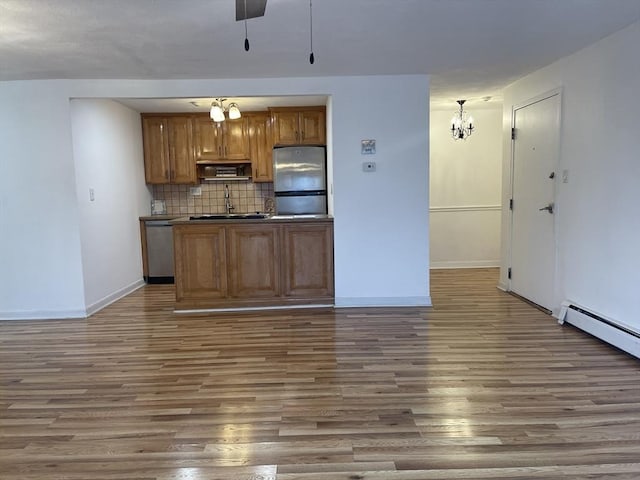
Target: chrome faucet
{"x": 227, "y": 200}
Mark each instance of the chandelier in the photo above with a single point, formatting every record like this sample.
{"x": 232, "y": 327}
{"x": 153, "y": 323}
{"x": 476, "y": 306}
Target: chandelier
{"x": 462, "y": 123}
{"x": 217, "y": 110}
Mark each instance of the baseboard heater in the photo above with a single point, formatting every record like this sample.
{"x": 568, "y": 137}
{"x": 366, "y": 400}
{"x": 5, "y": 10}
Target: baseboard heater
{"x": 625, "y": 337}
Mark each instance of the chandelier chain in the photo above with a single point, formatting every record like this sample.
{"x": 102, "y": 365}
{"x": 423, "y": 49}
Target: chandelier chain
{"x": 311, "y": 56}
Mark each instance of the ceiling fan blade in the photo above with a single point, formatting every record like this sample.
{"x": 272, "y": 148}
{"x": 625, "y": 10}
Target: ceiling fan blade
{"x": 255, "y": 8}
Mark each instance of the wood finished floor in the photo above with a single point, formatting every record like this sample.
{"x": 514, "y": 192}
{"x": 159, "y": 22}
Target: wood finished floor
{"x": 481, "y": 386}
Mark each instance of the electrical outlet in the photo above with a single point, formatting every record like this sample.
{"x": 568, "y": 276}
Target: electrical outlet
{"x": 368, "y": 166}
{"x": 195, "y": 191}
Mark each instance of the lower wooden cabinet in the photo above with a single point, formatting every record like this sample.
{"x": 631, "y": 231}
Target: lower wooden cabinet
{"x": 254, "y": 261}
{"x": 308, "y": 260}
{"x": 200, "y": 260}
{"x": 226, "y": 265}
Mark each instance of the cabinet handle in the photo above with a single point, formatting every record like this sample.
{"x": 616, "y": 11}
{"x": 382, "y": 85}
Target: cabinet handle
{"x": 302, "y": 135}
{"x": 225, "y": 150}
{"x": 219, "y": 151}
{"x": 166, "y": 175}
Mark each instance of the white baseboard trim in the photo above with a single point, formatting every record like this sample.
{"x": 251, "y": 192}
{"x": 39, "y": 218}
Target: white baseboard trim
{"x": 465, "y": 264}
{"x": 252, "y": 309}
{"x": 503, "y": 287}
{"x": 42, "y": 314}
{"x": 115, "y": 296}
{"x": 466, "y": 208}
{"x": 68, "y": 314}
{"x": 346, "y": 302}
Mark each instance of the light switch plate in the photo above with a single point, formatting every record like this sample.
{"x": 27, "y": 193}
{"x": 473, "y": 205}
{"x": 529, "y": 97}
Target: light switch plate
{"x": 368, "y": 166}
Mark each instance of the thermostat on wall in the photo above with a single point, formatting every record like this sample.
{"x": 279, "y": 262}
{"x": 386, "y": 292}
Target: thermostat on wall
{"x": 368, "y": 147}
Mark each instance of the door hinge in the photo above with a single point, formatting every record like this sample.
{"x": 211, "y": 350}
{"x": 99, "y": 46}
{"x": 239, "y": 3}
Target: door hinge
{"x": 511, "y": 204}
{"x": 513, "y": 133}
{"x": 509, "y": 273}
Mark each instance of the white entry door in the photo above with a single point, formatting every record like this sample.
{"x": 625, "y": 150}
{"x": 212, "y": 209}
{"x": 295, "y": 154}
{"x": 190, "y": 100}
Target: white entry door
{"x": 535, "y": 163}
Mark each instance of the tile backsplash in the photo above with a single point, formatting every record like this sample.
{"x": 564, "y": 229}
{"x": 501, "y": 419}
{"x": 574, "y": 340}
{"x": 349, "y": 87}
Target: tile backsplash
{"x": 246, "y": 197}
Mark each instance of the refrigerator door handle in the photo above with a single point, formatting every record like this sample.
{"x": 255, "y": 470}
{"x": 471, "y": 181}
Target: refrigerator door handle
{"x": 300, "y": 193}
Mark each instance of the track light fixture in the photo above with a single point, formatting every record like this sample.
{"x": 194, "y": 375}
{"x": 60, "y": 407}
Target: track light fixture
{"x": 217, "y": 110}
{"x": 234, "y": 111}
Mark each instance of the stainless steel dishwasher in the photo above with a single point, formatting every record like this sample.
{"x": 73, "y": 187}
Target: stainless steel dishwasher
{"x": 159, "y": 251}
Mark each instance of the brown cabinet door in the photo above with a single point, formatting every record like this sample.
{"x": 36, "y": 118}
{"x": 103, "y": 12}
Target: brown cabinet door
{"x": 312, "y": 127}
{"x": 236, "y": 142}
{"x": 253, "y": 261}
{"x": 200, "y": 262}
{"x": 308, "y": 260}
{"x": 285, "y": 128}
{"x": 261, "y": 147}
{"x": 207, "y": 138}
{"x": 181, "y": 154}
{"x": 156, "y": 150}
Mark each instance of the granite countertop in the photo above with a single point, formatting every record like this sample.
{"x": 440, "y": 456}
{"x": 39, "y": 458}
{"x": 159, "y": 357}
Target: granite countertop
{"x": 270, "y": 219}
{"x": 158, "y": 217}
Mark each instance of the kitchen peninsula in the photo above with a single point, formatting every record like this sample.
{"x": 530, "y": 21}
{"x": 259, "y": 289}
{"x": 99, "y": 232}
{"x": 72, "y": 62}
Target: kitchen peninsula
{"x": 277, "y": 261}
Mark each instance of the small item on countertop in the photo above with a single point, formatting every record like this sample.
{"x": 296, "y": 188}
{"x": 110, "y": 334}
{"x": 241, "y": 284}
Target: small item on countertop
{"x": 269, "y": 205}
{"x": 158, "y": 207}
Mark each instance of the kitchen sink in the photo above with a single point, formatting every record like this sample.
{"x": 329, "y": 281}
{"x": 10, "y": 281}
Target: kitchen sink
{"x": 231, "y": 216}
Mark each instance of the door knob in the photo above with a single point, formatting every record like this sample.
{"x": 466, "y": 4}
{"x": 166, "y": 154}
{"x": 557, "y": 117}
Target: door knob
{"x": 549, "y": 208}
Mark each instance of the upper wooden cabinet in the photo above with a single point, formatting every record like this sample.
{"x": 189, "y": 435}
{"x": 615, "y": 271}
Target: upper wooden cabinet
{"x": 155, "y": 137}
{"x": 173, "y": 143}
{"x": 298, "y": 126}
{"x": 181, "y": 158}
{"x": 226, "y": 140}
{"x": 260, "y": 146}
{"x": 168, "y": 149}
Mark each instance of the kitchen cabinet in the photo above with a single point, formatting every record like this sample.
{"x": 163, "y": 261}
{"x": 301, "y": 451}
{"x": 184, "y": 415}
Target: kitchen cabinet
{"x": 226, "y": 140}
{"x": 308, "y": 260}
{"x": 168, "y": 149}
{"x": 236, "y": 263}
{"x": 200, "y": 263}
{"x": 260, "y": 146}
{"x": 298, "y": 126}
{"x": 253, "y": 261}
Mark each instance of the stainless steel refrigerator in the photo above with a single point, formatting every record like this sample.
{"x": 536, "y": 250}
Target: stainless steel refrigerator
{"x": 300, "y": 180}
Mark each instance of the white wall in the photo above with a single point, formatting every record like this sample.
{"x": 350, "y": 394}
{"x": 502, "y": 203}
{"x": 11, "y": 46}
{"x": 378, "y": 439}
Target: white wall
{"x": 40, "y": 259}
{"x": 598, "y": 223}
{"x": 465, "y": 191}
{"x": 381, "y": 246}
{"x": 107, "y": 149}
{"x": 381, "y": 218}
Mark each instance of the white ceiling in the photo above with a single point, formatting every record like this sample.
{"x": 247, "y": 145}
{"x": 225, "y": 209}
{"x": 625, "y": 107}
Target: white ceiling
{"x": 246, "y": 104}
{"x": 472, "y": 48}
